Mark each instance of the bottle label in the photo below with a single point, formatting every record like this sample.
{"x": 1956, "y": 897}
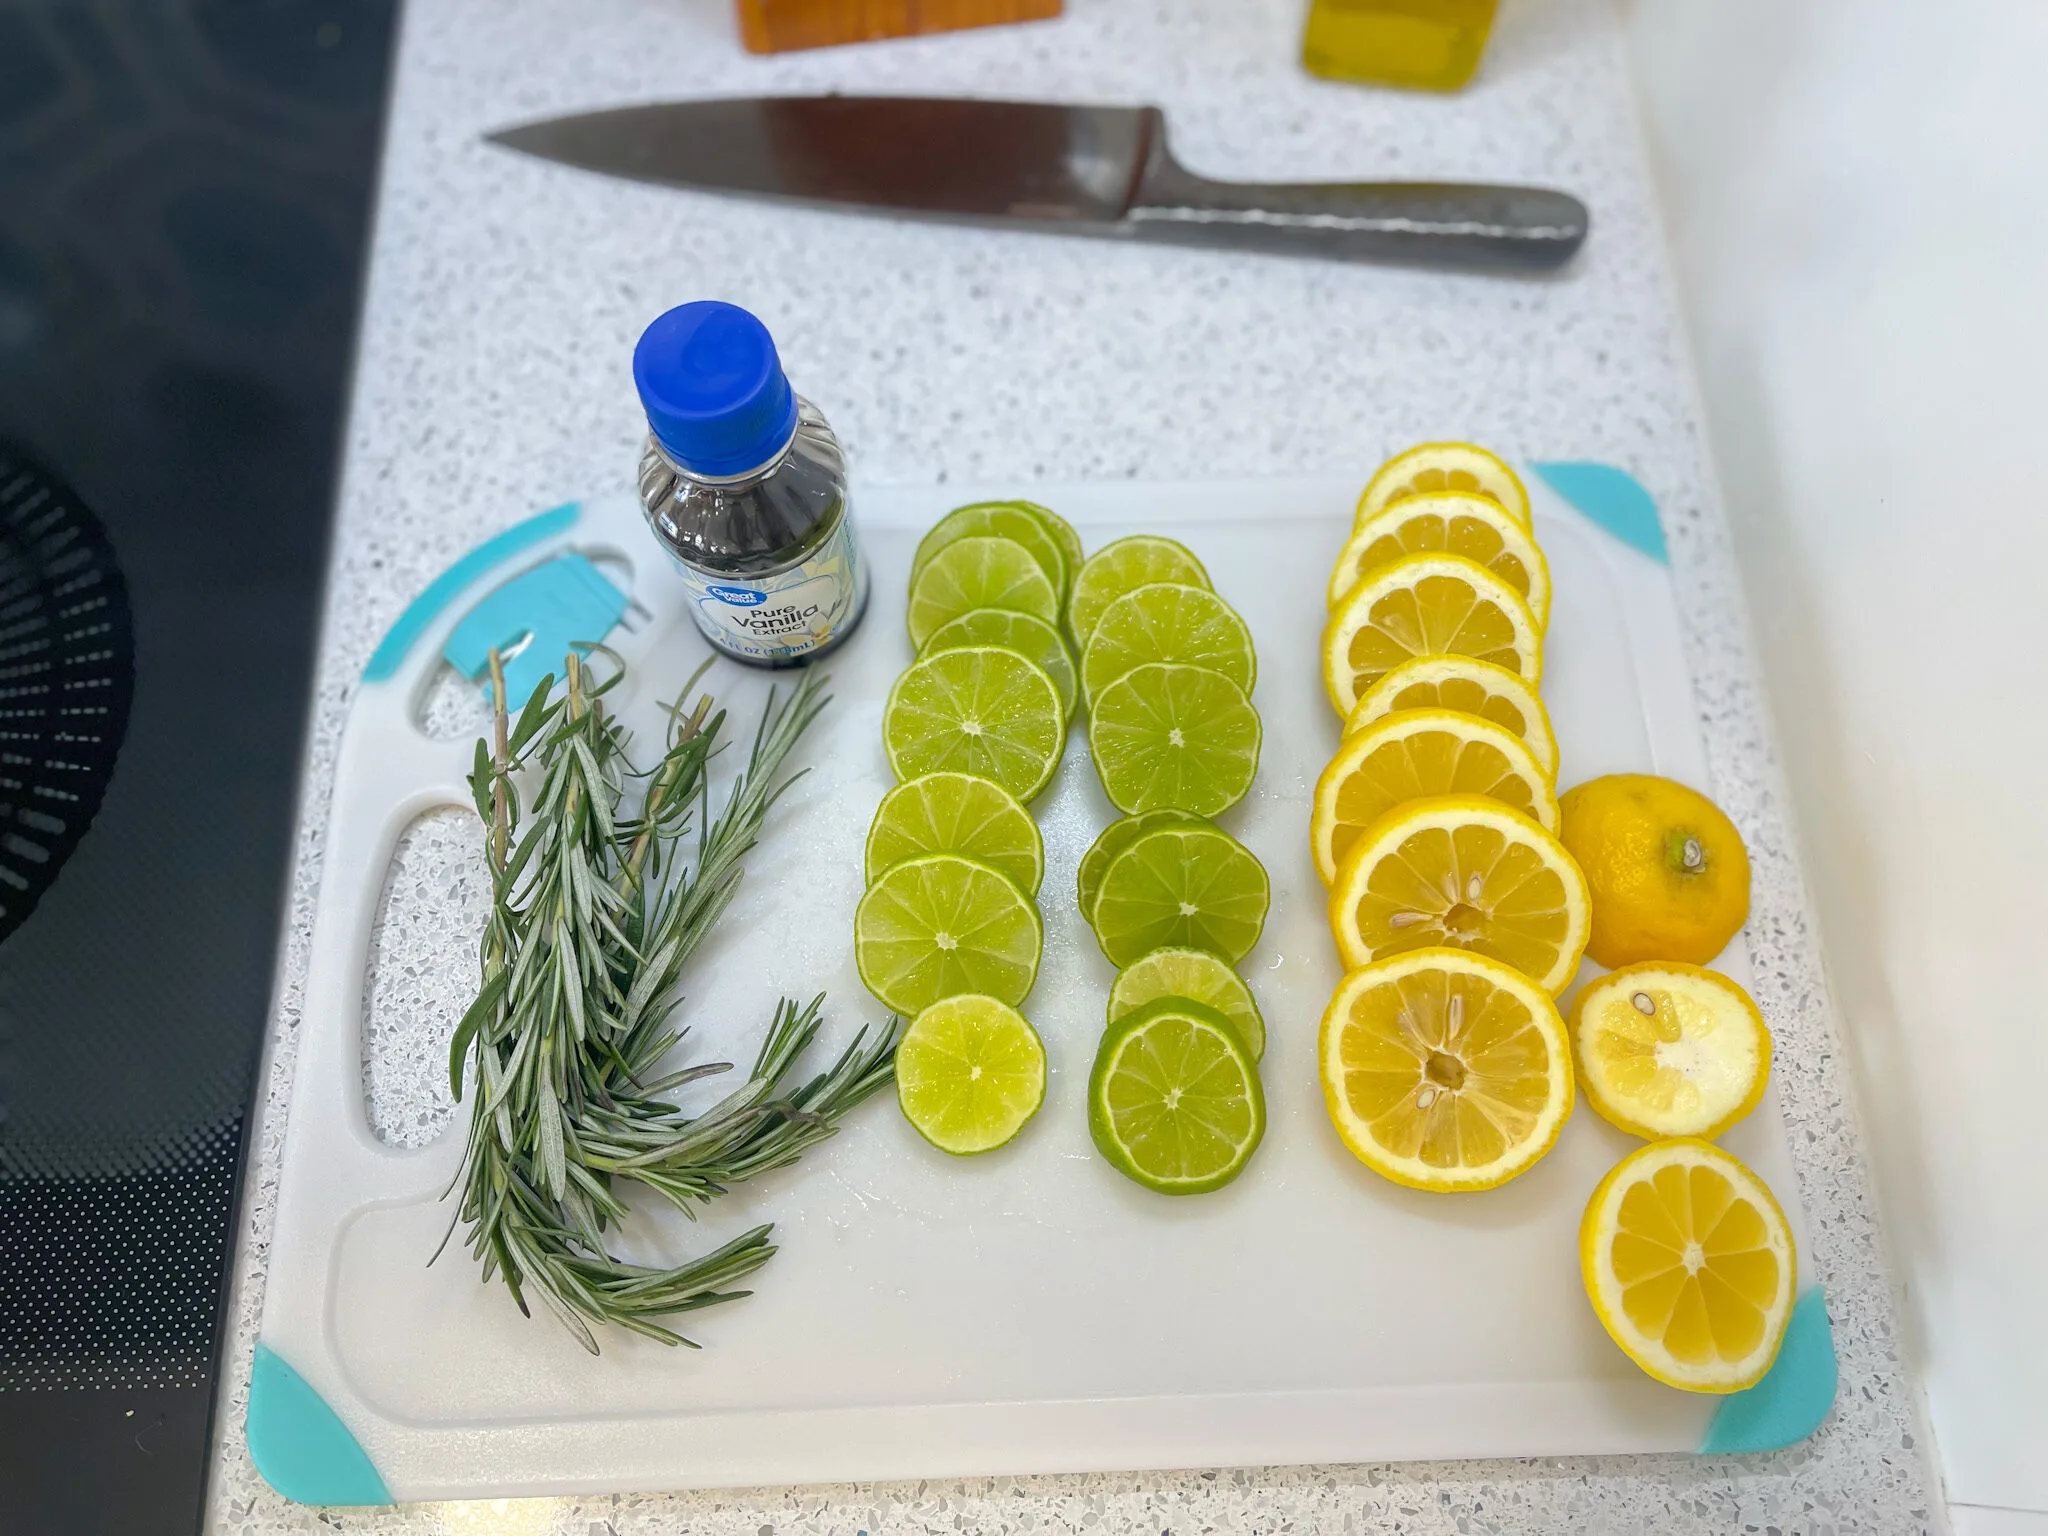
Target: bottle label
{"x": 786, "y": 616}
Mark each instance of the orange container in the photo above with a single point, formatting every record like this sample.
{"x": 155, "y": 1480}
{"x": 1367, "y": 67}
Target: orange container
{"x": 777, "y": 26}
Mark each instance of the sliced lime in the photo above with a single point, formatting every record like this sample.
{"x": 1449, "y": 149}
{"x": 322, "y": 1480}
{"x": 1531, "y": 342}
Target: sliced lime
{"x": 942, "y": 926}
{"x": 1174, "y": 1102}
{"x": 1195, "y": 976}
{"x": 1183, "y": 737}
{"x": 1182, "y": 888}
{"x": 979, "y": 572}
{"x": 1003, "y": 520}
{"x": 970, "y": 1071}
{"x": 1115, "y": 838}
{"x": 984, "y": 711}
{"x": 1031, "y": 638}
{"x": 957, "y": 813}
{"x": 1171, "y": 622}
{"x": 1062, "y": 533}
{"x": 1122, "y": 567}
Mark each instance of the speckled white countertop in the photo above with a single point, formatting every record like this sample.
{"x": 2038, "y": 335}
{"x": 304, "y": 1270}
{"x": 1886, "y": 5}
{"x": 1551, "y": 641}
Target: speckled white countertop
{"x": 504, "y": 299}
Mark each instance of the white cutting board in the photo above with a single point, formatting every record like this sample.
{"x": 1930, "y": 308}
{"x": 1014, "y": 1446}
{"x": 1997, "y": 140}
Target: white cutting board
{"x": 1025, "y": 1311}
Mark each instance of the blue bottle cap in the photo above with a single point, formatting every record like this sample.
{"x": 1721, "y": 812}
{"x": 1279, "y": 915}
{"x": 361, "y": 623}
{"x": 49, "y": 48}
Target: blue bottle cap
{"x": 714, "y": 390}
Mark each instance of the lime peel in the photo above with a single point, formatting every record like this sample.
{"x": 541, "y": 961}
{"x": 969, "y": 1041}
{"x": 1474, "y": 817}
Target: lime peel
{"x": 1174, "y": 1101}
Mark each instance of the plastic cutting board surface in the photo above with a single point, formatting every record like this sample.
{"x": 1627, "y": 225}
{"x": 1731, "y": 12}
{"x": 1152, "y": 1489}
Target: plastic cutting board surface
{"x": 1030, "y": 1310}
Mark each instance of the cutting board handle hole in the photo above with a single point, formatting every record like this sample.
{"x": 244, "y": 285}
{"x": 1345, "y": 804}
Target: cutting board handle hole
{"x": 422, "y": 972}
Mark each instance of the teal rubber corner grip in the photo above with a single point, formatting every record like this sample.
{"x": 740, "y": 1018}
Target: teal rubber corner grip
{"x": 1794, "y": 1396}
{"x": 444, "y": 588}
{"x": 300, "y": 1446}
{"x": 1614, "y": 500}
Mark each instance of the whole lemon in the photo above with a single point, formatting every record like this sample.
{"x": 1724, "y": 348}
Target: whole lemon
{"x": 1667, "y": 870}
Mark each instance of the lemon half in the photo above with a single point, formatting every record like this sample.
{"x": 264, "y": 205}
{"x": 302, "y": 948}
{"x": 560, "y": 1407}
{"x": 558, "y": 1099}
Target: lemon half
{"x": 1667, "y": 1049}
{"x": 1688, "y": 1262}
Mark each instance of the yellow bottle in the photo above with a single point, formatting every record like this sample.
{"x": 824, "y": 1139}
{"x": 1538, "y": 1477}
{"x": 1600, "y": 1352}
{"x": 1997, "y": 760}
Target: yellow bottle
{"x": 1432, "y": 45}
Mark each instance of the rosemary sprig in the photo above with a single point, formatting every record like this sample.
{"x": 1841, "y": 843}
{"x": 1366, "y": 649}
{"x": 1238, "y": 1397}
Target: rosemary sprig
{"x": 593, "y": 919}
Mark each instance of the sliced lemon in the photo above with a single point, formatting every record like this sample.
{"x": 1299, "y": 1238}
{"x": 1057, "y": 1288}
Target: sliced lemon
{"x": 1462, "y": 682}
{"x": 1452, "y": 523}
{"x": 1426, "y": 605}
{"x": 1413, "y": 755}
{"x": 1465, "y": 872}
{"x": 1445, "y": 1070}
{"x": 1688, "y": 1262}
{"x": 1444, "y": 467}
{"x": 1667, "y": 1049}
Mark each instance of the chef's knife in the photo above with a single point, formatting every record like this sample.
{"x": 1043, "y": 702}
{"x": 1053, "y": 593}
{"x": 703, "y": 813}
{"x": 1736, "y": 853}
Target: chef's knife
{"x": 1075, "y": 170}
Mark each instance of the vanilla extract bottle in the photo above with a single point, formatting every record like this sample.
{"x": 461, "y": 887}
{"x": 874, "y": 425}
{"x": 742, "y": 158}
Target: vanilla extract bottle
{"x": 744, "y": 484}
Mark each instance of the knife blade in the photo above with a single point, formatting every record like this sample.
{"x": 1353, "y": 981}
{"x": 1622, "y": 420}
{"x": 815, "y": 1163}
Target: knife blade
{"x": 1068, "y": 169}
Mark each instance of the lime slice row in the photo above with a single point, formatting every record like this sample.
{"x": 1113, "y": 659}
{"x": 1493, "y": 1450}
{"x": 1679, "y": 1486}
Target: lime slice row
{"x": 942, "y": 926}
{"x": 1174, "y": 1102}
{"x": 984, "y": 711}
{"x": 970, "y": 1074}
{"x": 1190, "y": 975}
{"x": 956, "y": 813}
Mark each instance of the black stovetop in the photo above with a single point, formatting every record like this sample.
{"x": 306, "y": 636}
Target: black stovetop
{"x": 185, "y": 187}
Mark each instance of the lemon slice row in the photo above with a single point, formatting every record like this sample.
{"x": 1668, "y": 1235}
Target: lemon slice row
{"x": 1456, "y": 912}
{"x": 1455, "y": 909}
{"x": 1459, "y": 914}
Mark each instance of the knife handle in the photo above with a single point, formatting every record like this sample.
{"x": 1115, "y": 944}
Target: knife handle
{"x": 1482, "y": 228}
